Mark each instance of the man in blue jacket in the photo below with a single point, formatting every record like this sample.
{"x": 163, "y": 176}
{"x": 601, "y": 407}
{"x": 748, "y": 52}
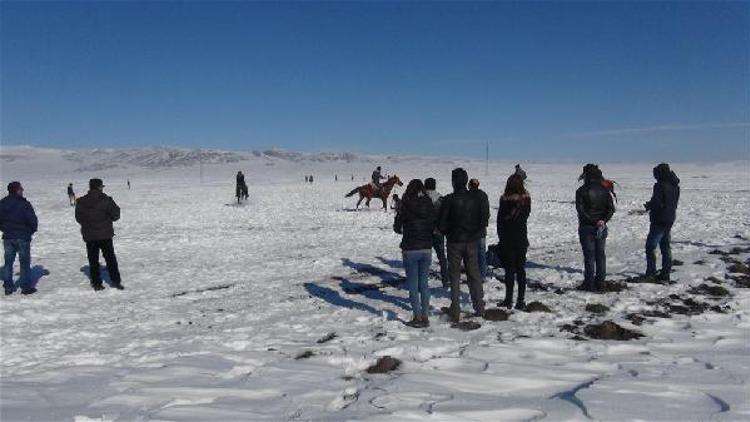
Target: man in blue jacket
{"x": 17, "y": 222}
{"x": 662, "y": 212}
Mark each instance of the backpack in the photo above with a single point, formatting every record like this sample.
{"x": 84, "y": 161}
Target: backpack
{"x": 493, "y": 256}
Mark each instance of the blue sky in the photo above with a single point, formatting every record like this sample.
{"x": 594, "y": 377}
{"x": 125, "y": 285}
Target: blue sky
{"x": 538, "y": 81}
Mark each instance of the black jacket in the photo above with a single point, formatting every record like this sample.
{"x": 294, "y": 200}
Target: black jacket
{"x": 464, "y": 215}
{"x": 416, "y": 220}
{"x": 17, "y": 218}
{"x": 663, "y": 204}
{"x": 95, "y": 212}
{"x": 511, "y": 221}
{"x": 594, "y": 203}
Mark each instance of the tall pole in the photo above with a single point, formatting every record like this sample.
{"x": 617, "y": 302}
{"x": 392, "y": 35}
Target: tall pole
{"x": 201, "y": 170}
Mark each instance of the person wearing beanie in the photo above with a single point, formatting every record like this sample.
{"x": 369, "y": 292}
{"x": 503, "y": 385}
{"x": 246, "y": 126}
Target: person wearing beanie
{"x": 95, "y": 212}
{"x": 18, "y": 222}
{"x": 595, "y": 208}
{"x": 662, "y": 210}
{"x": 463, "y": 219}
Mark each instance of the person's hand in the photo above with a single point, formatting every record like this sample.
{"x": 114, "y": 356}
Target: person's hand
{"x": 600, "y": 223}
{"x": 646, "y": 205}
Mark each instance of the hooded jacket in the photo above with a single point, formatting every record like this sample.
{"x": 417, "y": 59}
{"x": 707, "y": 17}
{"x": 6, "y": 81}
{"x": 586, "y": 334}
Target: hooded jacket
{"x": 95, "y": 212}
{"x": 416, "y": 220}
{"x": 512, "y": 216}
{"x": 464, "y": 215}
{"x": 663, "y": 204}
{"x": 17, "y": 218}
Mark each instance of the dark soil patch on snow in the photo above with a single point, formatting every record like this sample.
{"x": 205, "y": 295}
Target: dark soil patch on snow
{"x": 597, "y": 308}
{"x": 328, "y": 337}
{"x": 706, "y": 290}
{"x": 714, "y": 280}
{"x": 646, "y": 279}
{"x": 305, "y": 355}
{"x": 739, "y": 268}
{"x": 608, "y": 330}
{"x": 384, "y": 365}
{"x": 700, "y": 262}
{"x": 677, "y": 263}
{"x": 741, "y": 281}
{"x": 537, "y": 306}
{"x": 466, "y": 325}
{"x": 495, "y": 314}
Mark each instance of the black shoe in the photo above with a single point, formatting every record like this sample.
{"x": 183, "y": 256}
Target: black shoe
{"x": 454, "y": 314}
{"x": 663, "y": 276}
{"x": 9, "y": 292}
{"x": 97, "y": 287}
{"x": 520, "y": 305}
{"x": 118, "y": 286}
{"x": 507, "y": 303}
{"x": 30, "y": 291}
{"x": 416, "y": 322}
{"x": 478, "y": 314}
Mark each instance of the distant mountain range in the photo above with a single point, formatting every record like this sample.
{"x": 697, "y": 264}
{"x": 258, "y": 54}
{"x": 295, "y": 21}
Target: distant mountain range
{"x": 166, "y": 157}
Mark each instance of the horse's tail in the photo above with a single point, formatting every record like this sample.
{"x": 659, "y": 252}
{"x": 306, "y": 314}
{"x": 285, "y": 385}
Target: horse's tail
{"x": 355, "y": 190}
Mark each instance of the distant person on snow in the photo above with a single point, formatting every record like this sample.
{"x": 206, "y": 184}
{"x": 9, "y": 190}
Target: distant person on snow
{"x": 377, "y": 177}
{"x": 438, "y": 240}
{"x": 18, "y": 223}
{"x": 662, "y": 213}
{"x": 306, "y": 177}
{"x": 595, "y": 208}
{"x": 482, "y": 243}
{"x": 95, "y": 212}
{"x": 520, "y": 172}
{"x": 512, "y": 215}
{"x": 416, "y": 222}
{"x": 396, "y": 202}
{"x": 71, "y": 195}
{"x": 463, "y": 218}
{"x": 311, "y": 179}
{"x": 241, "y": 188}
{"x": 128, "y": 184}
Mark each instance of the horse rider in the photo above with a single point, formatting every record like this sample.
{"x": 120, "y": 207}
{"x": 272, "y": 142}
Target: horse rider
{"x": 241, "y": 186}
{"x": 377, "y": 177}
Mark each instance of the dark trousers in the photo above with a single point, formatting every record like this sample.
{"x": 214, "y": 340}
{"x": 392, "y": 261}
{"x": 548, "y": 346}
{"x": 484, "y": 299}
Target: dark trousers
{"x": 514, "y": 263}
{"x": 108, "y": 250}
{"x": 468, "y": 253}
{"x": 594, "y": 258}
{"x": 438, "y": 244}
{"x": 658, "y": 235}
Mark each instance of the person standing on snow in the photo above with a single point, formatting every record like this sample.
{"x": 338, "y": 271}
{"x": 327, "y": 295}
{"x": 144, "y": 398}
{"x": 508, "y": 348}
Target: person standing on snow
{"x": 95, "y": 212}
{"x": 463, "y": 217}
{"x": 662, "y": 210}
{"x": 438, "y": 240}
{"x": 416, "y": 221}
{"x": 512, "y": 215}
{"x": 18, "y": 223}
{"x": 71, "y": 195}
{"x": 482, "y": 243}
{"x": 595, "y": 208}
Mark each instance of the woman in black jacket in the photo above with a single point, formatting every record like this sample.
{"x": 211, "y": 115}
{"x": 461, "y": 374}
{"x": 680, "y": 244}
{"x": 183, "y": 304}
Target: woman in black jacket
{"x": 515, "y": 206}
{"x": 416, "y": 221}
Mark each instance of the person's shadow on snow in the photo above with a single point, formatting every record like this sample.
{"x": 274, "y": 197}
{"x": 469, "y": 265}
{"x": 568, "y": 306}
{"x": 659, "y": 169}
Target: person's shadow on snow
{"x": 102, "y": 271}
{"x": 334, "y": 298}
{"x": 37, "y": 272}
{"x": 387, "y": 277}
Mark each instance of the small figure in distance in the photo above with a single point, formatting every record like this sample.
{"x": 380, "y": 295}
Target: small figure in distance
{"x": 71, "y": 195}
{"x": 377, "y": 176}
{"x": 18, "y": 223}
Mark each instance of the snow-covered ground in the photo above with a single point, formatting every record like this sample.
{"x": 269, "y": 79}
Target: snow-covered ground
{"x": 263, "y": 311}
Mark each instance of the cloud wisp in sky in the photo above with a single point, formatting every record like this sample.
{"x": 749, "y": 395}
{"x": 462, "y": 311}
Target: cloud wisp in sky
{"x": 661, "y": 128}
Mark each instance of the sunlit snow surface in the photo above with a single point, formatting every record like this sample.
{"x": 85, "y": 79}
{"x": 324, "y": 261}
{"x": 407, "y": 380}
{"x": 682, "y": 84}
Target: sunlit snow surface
{"x": 221, "y": 299}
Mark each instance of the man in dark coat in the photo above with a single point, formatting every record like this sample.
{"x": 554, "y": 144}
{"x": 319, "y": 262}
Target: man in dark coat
{"x": 95, "y": 212}
{"x": 377, "y": 177}
{"x": 18, "y": 223}
{"x": 662, "y": 212}
{"x": 595, "y": 208}
{"x": 464, "y": 217}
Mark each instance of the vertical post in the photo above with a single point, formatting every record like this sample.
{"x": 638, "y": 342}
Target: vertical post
{"x": 201, "y": 169}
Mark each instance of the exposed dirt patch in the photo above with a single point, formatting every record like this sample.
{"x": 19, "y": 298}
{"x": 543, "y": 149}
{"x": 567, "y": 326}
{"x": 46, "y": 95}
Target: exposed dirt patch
{"x": 608, "y": 330}
{"x": 495, "y": 314}
{"x": 649, "y": 279}
{"x": 597, "y": 308}
{"x": 613, "y": 286}
{"x": 537, "y": 306}
{"x": 741, "y": 281}
{"x": 384, "y": 365}
{"x": 305, "y": 355}
{"x": 677, "y": 263}
{"x": 328, "y": 337}
{"x": 709, "y": 290}
{"x": 739, "y": 267}
{"x": 466, "y": 325}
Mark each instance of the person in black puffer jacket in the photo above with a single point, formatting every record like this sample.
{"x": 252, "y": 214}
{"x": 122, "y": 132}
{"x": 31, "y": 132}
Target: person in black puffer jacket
{"x": 18, "y": 222}
{"x": 512, "y": 215}
{"x": 662, "y": 212}
{"x": 595, "y": 208}
{"x": 416, "y": 221}
{"x": 95, "y": 212}
{"x": 463, "y": 219}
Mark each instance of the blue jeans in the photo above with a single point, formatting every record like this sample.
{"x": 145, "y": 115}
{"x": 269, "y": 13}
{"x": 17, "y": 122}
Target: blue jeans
{"x": 594, "y": 258}
{"x": 23, "y": 249}
{"x": 658, "y": 235}
{"x": 482, "y": 250}
{"x": 417, "y": 265}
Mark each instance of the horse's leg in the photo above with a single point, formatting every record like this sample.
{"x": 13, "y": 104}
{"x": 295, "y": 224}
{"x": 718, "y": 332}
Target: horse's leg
{"x": 360, "y": 200}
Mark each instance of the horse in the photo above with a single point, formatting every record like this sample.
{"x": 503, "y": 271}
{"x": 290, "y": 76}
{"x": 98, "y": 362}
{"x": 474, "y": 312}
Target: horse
{"x": 369, "y": 191}
{"x": 241, "y": 192}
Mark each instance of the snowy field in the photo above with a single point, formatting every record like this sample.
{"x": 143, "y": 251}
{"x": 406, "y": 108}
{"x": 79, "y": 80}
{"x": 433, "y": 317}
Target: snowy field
{"x": 274, "y": 310}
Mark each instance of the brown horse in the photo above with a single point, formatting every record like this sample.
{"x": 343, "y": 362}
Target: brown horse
{"x": 369, "y": 191}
